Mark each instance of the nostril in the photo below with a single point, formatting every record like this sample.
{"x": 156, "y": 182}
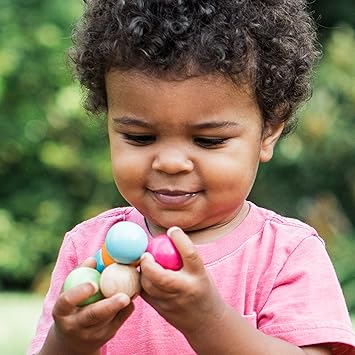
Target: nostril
{"x": 172, "y": 164}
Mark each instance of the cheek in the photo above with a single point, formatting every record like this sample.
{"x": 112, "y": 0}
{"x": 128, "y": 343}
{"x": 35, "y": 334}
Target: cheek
{"x": 238, "y": 165}
{"x": 232, "y": 173}
{"x": 128, "y": 169}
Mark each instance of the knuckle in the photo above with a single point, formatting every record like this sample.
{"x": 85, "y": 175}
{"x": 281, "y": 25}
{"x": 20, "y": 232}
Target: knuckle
{"x": 64, "y": 298}
{"x": 91, "y": 316}
{"x": 192, "y": 257}
{"x": 147, "y": 285}
{"x": 69, "y": 327}
{"x": 66, "y": 325}
{"x": 167, "y": 282}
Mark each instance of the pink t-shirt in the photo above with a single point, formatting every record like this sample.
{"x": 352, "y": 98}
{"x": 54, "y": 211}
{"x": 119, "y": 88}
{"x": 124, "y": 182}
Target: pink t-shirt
{"x": 273, "y": 270}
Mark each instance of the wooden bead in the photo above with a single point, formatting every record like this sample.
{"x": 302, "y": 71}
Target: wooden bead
{"x": 80, "y": 276}
{"x": 126, "y": 242}
{"x": 165, "y": 253}
{"x": 119, "y": 278}
{"x": 106, "y": 258}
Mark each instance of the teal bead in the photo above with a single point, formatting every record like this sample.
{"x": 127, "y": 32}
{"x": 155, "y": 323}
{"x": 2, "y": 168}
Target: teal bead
{"x": 100, "y": 266}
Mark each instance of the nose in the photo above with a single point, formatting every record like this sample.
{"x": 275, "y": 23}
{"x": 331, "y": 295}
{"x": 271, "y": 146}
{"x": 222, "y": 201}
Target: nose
{"x": 172, "y": 161}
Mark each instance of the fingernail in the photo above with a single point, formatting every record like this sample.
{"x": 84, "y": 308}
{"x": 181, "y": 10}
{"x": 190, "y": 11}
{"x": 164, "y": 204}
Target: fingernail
{"x": 95, "y": 286}
{"x": 147, "y": 256}
{"x": 124, "y": 298}
{"x": 173, "y": 229}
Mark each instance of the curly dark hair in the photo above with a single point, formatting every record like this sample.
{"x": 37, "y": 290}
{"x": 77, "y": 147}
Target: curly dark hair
{"x": 270, "y": 43}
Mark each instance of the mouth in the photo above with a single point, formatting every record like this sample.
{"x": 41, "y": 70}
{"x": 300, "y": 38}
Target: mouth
{"x": 173, "y": 197}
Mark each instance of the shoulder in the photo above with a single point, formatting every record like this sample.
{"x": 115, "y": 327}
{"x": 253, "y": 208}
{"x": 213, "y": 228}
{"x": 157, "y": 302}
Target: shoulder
{"x": 296, "y": 270}
{"x": 282, "y": 229}
{"x": 104, "y": 219}
{"x": 88, "y": 236}
{"x": 278, "y": 239}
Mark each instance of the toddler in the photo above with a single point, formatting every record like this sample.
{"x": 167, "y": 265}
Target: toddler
{"x": 197, "y": 94}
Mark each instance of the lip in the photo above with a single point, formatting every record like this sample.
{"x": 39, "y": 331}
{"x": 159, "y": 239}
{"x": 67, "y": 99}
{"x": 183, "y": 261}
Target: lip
{"x": 173, "y": 197}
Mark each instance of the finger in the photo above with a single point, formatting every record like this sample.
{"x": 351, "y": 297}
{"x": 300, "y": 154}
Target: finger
{"x": 147, "y": 298}
{"x": 103, "y": 311}
{"x": 189, "y": 255}
{"x": 122, "y": 316}
{"x": 149, "y": 265}
{"x": 153, "y": 271}
{"x": 70, "y": 299}
{"x": 151, "y": 300}
{"x": 155, "y": 279}
{"x": 89, "y": 262}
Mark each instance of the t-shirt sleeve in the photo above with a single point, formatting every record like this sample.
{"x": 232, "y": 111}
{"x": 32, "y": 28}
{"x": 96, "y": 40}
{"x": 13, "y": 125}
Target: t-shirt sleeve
{"x": 66, "y": 261}
{"x": 306, "y": 305}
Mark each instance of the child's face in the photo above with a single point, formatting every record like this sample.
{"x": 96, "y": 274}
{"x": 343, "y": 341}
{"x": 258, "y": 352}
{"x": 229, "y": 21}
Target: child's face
{"x": 184, "y": 153}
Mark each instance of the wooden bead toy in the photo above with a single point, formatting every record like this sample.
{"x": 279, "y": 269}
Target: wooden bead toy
{"x": 126, "y": 242}
{"x": 165, "y": 253}
{"x": 106, "y": 257}
{"x": 117, "y": 278}
{"x": 82, "y": 275}
{"x": 100, "y": 266}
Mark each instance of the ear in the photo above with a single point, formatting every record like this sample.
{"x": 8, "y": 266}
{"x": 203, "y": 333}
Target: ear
{"x": 270, "y": 137}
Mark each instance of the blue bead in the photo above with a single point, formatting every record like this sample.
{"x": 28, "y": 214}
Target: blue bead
{"x": 126, "y": 242}
{"x": 100, "y": 266}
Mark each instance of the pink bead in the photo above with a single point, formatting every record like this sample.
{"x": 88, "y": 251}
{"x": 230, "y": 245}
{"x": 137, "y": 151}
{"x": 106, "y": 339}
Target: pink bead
{"x": 164, "y": 252}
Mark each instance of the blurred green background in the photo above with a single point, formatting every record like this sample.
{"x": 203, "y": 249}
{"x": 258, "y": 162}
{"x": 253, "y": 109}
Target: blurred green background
{"x": 54, "y": 161}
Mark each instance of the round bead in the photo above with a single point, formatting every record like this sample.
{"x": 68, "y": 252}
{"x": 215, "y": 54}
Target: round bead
{"x": 80, "y": 276}
{"x": 126, "y": 242}
{"x": 106, "y": 258}
{"x": 117, "y": 278}
{"x": 100, "y": 266}
{"x": 165, "y": 253}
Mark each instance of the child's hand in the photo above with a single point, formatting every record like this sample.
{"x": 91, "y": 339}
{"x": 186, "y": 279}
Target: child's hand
{"x": 84, "y": 330}
{"x": 187, "y": 298}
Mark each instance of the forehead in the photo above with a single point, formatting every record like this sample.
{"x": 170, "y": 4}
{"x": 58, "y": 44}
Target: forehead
{"x": 194, "y": 98}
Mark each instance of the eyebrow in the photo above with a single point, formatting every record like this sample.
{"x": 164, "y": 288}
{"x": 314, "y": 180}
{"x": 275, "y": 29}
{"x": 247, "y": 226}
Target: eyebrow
{"x": 132, "y": 121}
{"x": 215, "y": 124}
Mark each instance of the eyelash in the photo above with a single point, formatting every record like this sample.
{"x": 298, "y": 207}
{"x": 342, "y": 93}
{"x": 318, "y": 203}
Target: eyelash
{"x": 209, "y": 142}
{"x": 149, "y": 139}
{"x": 140, "y": 139}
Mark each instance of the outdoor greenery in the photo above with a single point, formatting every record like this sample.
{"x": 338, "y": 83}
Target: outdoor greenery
{"x": 19, "y": 316}
{"x": 54, "y": 159}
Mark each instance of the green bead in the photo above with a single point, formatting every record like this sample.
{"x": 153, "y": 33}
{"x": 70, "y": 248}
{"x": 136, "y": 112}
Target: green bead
{"x": 80, "y": 276}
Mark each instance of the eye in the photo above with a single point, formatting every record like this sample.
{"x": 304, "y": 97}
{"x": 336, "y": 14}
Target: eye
{"x": 207, "y": 142}
{"x": 139, "y": 139}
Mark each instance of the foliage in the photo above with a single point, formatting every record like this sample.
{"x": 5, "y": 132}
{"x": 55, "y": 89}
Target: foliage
{"x": 54, "y": 160}
{"x": 318, "y": 159}
{"x": 329, "y": 14}
{"x": 312, "y": 175}
{"x": 54, "y": 168}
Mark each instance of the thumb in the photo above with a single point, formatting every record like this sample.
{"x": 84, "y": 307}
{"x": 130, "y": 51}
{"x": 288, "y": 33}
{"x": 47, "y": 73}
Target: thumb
{"x": 70, "y": 299}
{"x": 188, "y": 252}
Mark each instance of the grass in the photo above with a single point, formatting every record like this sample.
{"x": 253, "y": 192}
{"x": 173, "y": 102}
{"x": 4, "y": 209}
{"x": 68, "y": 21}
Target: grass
{"x": 18, "y": 321}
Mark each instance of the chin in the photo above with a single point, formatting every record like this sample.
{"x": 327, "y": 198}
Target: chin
{"x": 165, "y": 222}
